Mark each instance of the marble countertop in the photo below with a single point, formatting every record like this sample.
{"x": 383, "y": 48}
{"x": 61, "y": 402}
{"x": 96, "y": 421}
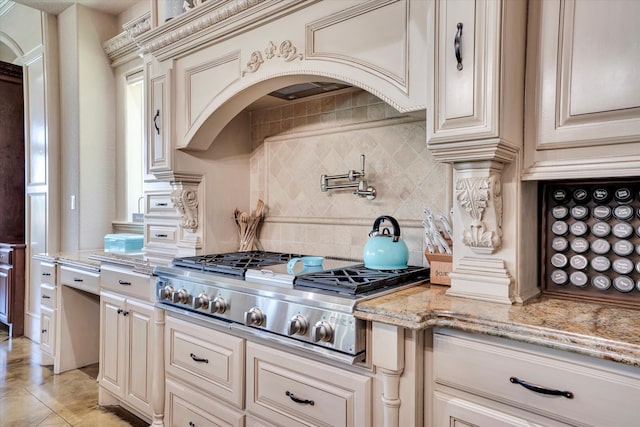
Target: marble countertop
{"x": 598, "y": 330}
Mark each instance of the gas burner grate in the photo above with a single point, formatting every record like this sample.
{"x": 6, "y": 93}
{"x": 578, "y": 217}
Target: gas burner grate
{"x": 358, "y": 279}
{"x": 232, "y": 263}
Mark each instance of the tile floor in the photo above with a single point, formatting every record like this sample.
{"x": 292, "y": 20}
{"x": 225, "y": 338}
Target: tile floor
{"x": 30, "y": 395}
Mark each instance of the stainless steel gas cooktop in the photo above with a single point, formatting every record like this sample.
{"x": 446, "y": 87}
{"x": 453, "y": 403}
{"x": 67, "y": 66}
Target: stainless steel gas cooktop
{"x": 255, "y": 292}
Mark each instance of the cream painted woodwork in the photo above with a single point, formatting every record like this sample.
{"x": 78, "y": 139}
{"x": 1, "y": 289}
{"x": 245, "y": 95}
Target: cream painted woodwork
{"x": 77, "y": 321}
{"x": 159, "y": 153}
{"x": 376, "y": 45}
{"x": 466, "y": 365}
{"x": 205, "y": 377}
{"x": 127, "y": 339}
{"x": 475, "y": 120}
{"x": 69, "y": 323}
{"x": 583, "y": 94}
{"x": 126, "y": 352}
{"x": 469, "y": 411}
{"x": 187, "y": 407}
{"x": 33, "y": 37}
{"x": 475, "y": 110}
{"x": 49, "y": 302}
{"x": 47, "y": 333}
{"x": 291, "y": 391}
{"x": 161, "y": 223}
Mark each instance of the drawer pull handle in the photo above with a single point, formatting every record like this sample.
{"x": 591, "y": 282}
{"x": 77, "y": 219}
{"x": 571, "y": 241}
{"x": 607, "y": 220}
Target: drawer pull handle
{"x": 457, "y": 46}
{"x": 198, "y": 359}
{"x": 120, "y": 310}
{"x": 159, "y": 204}
{"x": 541, "y": 390}
{"x": 162, "y": 236}
{"x": 75, "y": 279}
{"x": 124, "y": 283}
{"x": 46, "y": 274}
{"x": 44, "y": 331}
{"x": 192, "y": 424}
{"x": 298, "y": 400}
{"x": 46, "y": 296}
{"x": 125, "y": 313}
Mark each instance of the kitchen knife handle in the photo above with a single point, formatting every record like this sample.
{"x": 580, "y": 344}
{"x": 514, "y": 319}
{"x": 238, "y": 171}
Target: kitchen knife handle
{"x": 541, "y": 390}
{"x": 457, "y": 46}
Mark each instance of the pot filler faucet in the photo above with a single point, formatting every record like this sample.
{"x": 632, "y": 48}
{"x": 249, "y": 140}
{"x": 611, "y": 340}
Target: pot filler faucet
{"x": 356, "y": 180}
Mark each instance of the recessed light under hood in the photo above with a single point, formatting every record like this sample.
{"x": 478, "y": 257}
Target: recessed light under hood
{"x": 303, "y": 90}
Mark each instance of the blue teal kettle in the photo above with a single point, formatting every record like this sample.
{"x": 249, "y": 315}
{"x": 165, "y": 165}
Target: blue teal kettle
{"x": 385, "y": 251}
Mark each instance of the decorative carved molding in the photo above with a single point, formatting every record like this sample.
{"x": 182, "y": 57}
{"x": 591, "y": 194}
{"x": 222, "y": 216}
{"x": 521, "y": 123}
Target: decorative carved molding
{"x": 186, "y": 202}
{"x": 475, "y": 196}
{"x": 138, "y": 26}
{"x": 122, "y": 47}
{"x": 287, "y": 51}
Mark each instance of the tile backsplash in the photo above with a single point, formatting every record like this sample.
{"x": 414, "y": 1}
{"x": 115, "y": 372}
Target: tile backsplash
{"x": 297, "y": 143}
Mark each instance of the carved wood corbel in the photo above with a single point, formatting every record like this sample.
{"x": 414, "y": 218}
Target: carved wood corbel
{"x": 185, "y": 199}
{"x": 480, "y": 202}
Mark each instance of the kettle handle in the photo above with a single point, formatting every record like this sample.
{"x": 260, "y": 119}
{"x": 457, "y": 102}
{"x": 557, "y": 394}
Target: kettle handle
{"x": 394, "y": 223}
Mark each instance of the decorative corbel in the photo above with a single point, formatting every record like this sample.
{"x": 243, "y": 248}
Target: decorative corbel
{"x": 186, "y": 201}
{"x": 480, "y": 201}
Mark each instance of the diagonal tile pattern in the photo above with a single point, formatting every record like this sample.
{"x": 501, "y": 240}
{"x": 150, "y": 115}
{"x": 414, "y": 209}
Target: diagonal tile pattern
{"x": 30, "y": 395}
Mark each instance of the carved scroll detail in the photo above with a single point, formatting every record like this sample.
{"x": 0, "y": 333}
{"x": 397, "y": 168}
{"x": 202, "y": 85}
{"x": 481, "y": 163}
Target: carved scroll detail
{"x": 186, "y": 201}
{"x": 477, "y": 196}
{"x": 287, "y": 51}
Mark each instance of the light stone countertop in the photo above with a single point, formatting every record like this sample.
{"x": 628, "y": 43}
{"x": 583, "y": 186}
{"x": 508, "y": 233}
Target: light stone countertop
{"x": 598, "y": 330}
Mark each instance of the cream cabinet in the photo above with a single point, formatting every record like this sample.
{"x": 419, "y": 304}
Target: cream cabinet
{"x": 48, "y": 310}
{"x": 204, "y": 376}
{"x": 477, "y": 58}
{"x": 69, "y": 321}
{"x": 287, "y": 390}
{"x": 583, "y": 94}
{"x": 158, "y": 150}
{"x": 487, "y": 381}
{"x": 126, "y": 340}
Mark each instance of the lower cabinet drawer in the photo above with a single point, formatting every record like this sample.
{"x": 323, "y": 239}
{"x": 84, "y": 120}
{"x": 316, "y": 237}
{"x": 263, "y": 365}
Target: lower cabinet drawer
{"x": 186, "y": 407}
{"x": 84, "y": 280}
{"x": 293, "y": 391}
{"x": 124, "y": 281}
{"x": 48, "y": 295}
{"x": 165, "y": 235}
{"x": 594, "y": 392}
{"x": 207, "y": 359}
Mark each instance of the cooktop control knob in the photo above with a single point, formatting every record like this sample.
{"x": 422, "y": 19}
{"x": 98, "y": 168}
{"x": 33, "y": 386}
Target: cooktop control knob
{"x": 201, "y": 301}
{"x": 298, "y": 325}
{"x": 165, "y": 292}
{"x": 254, "y": 317}
{"x": 322, "y": 331}
{"x": 182, "y": 296}
{"x": 218, "y": 305}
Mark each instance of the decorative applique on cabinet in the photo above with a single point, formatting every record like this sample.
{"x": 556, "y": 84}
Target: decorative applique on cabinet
{"x": 482, "y": 233}
{"x": 186, "y": 201}
{"x": 287, "y": 51}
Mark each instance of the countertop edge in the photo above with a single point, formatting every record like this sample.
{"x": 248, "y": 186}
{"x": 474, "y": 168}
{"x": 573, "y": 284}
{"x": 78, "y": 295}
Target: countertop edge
{"x": 601, "y": 348}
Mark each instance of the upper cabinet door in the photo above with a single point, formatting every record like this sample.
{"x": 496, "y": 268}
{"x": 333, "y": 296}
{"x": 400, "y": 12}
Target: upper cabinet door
{"x": 465, "y": 73}
{"x": 583, "y": 93}
{"x": 475, "y": 100}
{"x": 159, "y": 123}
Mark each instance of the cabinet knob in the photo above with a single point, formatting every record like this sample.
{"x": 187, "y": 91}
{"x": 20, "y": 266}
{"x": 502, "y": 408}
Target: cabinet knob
{"x": 44, "y": 331}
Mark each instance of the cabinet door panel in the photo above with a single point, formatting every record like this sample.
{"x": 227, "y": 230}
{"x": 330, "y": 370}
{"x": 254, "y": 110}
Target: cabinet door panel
{"x": 112, "y": 344}
{"x": 140, "y": 363}
{"x": 583, "y": 95}
{"x": 47, "y": 330}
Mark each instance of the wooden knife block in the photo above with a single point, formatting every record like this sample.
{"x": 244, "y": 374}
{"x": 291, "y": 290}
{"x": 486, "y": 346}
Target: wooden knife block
{"x": 441, "y": 265}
